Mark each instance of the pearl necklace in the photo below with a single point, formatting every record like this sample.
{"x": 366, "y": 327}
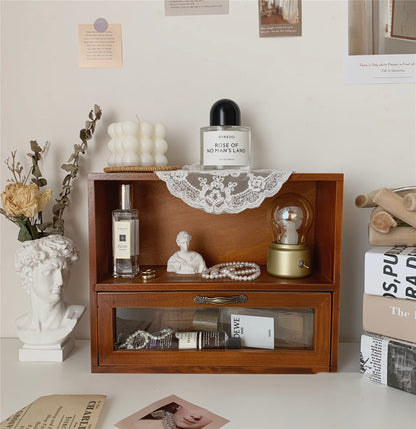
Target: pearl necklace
{"x": 241, "y": 271}
{"x": 139, "y": 339}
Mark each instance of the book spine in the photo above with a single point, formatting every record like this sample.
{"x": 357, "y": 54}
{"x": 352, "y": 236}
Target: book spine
{"x": 389, "y": 362}
{"x": 392, "y": 317}
{"x": 391, "y": 272}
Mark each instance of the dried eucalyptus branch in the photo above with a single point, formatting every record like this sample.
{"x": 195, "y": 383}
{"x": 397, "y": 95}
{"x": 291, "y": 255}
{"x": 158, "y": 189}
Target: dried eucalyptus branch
{"x": 72, "y": 167}
{"x": 36, "y": 156}
{"x": 37, "y": 179}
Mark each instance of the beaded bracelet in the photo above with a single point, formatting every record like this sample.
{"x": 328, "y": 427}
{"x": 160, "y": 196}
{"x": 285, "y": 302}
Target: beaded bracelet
{"x": 139, "y": 339}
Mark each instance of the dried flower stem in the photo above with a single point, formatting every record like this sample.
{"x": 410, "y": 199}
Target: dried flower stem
{"x": 7, "y": 216}
{"x": 16, "y": 168}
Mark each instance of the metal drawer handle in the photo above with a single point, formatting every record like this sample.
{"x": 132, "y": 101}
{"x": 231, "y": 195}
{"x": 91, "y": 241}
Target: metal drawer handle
{"x": 220, "y": 300}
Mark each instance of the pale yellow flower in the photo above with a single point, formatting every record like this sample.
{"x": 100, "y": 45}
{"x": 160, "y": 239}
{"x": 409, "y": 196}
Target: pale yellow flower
{"x": 18, "y": 199}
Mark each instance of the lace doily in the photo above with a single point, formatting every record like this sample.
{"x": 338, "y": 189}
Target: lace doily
{"x": 223, "y": 191}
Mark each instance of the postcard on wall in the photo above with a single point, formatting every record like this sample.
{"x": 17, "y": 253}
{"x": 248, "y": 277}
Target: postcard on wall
{"x": 172, "y": 412}
{"x": 57, "y": 412}
{"x": 378, "y": 44}
{"x": 100, "y": 45}
{"x": 280, "y": 18}
{"x": 196, "y": 7}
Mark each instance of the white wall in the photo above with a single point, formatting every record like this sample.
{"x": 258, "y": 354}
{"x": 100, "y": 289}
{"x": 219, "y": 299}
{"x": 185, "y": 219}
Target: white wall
{"x": 290, "y": 91}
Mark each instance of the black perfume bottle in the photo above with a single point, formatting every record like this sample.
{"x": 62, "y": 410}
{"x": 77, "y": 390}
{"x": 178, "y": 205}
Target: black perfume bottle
{"x": 225, "y": 143}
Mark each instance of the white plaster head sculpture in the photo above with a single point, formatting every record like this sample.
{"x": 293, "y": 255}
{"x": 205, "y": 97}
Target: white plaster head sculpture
{"x": 185, "y": 261}
{"x": 44, "y": 266}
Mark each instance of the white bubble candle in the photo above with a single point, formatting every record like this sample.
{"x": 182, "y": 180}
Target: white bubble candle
{"x": 137, "y": 144}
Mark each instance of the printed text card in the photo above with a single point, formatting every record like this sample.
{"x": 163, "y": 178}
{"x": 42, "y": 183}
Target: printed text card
{"x": 100, "y": 49}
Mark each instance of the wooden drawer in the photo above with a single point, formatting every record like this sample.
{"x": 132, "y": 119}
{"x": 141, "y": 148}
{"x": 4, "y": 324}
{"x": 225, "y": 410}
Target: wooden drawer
{"x": 310, "y": 314}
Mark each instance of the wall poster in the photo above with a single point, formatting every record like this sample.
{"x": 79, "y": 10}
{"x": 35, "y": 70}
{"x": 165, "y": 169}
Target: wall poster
{"x": 280, "y": 18}
{"x": 196, "y": 7}
{"x": 374, "y": 51}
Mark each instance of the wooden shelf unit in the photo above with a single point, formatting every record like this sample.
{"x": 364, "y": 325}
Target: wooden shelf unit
{"x": 219, "y": 238}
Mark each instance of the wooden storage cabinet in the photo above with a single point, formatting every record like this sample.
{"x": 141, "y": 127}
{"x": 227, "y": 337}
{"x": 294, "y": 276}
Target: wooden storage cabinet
{"x": 310, "y": 305}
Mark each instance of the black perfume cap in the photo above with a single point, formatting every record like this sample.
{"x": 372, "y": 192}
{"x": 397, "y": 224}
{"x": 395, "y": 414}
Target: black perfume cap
{"x": 233, "y": 343}
{"x": 225, "y": 112}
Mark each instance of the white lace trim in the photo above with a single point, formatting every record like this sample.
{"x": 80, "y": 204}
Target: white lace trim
{"x": 223, "y": 191}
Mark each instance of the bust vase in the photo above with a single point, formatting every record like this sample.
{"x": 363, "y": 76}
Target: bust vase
{"x": 44, "y": 267}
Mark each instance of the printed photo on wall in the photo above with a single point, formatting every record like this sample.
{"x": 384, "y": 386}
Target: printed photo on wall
{"x": 280, "y": 18}
{"x": 196, "y": 7}
{"x": 173, "y": 413}
{"x": 380, "y": 41}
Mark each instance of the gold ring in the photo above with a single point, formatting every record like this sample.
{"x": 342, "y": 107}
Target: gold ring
{"x": 148, "y": 274}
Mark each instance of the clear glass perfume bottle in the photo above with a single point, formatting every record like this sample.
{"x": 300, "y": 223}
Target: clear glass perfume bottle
{"x": 125, "y": 236}
{"x": 225, "y": 143}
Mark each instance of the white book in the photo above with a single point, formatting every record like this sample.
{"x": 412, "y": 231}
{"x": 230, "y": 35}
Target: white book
{"x": 389, "y": 361}
{"x": 391, "y": 271}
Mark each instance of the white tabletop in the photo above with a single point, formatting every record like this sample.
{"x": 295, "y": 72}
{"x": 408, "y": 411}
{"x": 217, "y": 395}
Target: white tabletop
{"x": 328, "y": 400}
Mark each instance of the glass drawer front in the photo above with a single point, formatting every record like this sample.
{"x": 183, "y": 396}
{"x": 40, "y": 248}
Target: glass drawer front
{"x": 172, "y": 328}
{"x": 241, "y": 332}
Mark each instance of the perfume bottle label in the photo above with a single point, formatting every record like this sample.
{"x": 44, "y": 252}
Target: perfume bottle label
{"x": 226, "y": 148}
{"x": 122, "y": 240}
{"x": 187, "y": 340}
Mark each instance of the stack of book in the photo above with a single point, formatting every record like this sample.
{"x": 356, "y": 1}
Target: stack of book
{"x": 388, "y": 345}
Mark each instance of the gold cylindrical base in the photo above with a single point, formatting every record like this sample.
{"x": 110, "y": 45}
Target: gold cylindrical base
{"x": 288, "y": 260}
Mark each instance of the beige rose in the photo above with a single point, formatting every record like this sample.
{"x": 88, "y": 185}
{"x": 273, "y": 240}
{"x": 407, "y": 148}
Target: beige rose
{"x": 18, "y": 199}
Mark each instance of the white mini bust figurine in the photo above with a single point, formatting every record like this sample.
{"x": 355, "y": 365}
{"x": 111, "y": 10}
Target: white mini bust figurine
{"x": 43, "y": 266}
{"x": 185, "y": 261}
